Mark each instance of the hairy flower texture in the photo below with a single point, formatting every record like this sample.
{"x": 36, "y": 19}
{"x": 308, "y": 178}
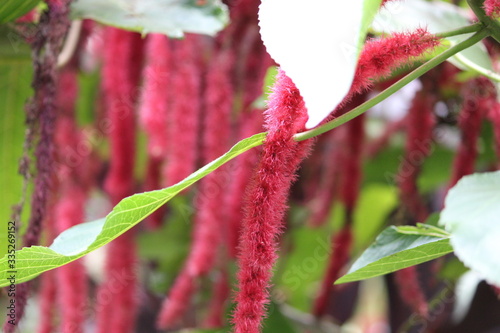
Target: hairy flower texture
{"x": 117, "y": 314}
{"x": 266, "y": 203}
{"x": 410, "y": 290}
{"x": 420, "y": 123}
{"x": 154, "y": 102}
{"x": 217, "y": 306}
{"x": 352, "y": 164}
{"x": 479, "y": 98}
{"x": 208, "y": 221}
{"x": 380, "y": 56}
{"x": 40, "y": 114}
{"x": 241, "y": 174}
{"x": 71, "y": 279}
{"x": 185, "y": 110}
{"x": 69, "y": 207}
{"x": 492, "y": 8}
{"x": 341, "y": 246}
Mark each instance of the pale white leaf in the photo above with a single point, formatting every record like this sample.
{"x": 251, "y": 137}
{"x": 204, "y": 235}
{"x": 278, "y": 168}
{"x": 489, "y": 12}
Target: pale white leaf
{"x": 317, "y": 44}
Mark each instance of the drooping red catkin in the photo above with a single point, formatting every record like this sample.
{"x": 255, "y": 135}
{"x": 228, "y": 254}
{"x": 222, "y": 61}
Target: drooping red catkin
{"x": 479, "y": 98}
{"x": 151, "y": 183}
{"x": 48, "y": 291}
{"x": 72, "y": 175}
{"x": 72, "y": 282}
{"x": 178, "y": 301}
{"x": 154, "y": 102}
{"x": 153, "y": 112}
{"x": 116, "y": 308}
{"x": 410, "y": 290}
{"x": 327, "y": 185}
{"x": 208, "y": 221}
{"x": 420, "y": 122}
{"x": 216, "y": 307}
{"x": 185, "y": 110}
{"x": 341, "y": 246}
{"x": 350, "y": 181}
{"x": 48, "y": 295}
{"x": 492, "y": 8}
{"x": 380, "y": 56}
{"x": 352, "y": 165}
{"x": 266, "y": 203}
{"x": 251, "y": 123}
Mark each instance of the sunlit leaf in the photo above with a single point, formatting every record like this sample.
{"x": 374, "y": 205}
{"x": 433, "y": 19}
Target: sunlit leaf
{"x": 75, "y": 242}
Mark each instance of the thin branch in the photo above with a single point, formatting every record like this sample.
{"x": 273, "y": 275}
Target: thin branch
{"x": 477, "y": 37}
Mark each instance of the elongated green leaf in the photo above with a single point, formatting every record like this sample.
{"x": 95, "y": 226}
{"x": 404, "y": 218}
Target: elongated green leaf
{"x": 471, "y": 215}
{"x": 75, "y": 242}
{"x": 397, "y": 248}
{"x": 437, "y": 16}
{"x": 12, "y": 9}
{"x": 169, "y": 17}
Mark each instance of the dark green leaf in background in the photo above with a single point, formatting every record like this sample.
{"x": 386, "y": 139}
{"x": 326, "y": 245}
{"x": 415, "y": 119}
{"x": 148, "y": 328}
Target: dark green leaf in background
{"x": 397, "y": 248}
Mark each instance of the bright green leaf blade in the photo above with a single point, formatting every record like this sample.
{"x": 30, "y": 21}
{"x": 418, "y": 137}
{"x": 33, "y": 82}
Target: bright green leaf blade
{"x": 13, "y": 9}
{"x": 395, "y": 249}
{"x": 438, "y": 17}
{"x": 471, "y": 215}
{"x": 75, "y": 242}
{"x": 169, "y": 17}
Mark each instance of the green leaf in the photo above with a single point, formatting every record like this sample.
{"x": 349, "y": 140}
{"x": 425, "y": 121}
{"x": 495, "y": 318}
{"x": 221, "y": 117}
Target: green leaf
{"x": 437, "y": 16}
{"x": 471, "y": 216}
{"x": 397, "y": 248}
{"x": 169, "y": 17}
{"x": 79, "y": 240}
{"x": 13, "y": 9}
